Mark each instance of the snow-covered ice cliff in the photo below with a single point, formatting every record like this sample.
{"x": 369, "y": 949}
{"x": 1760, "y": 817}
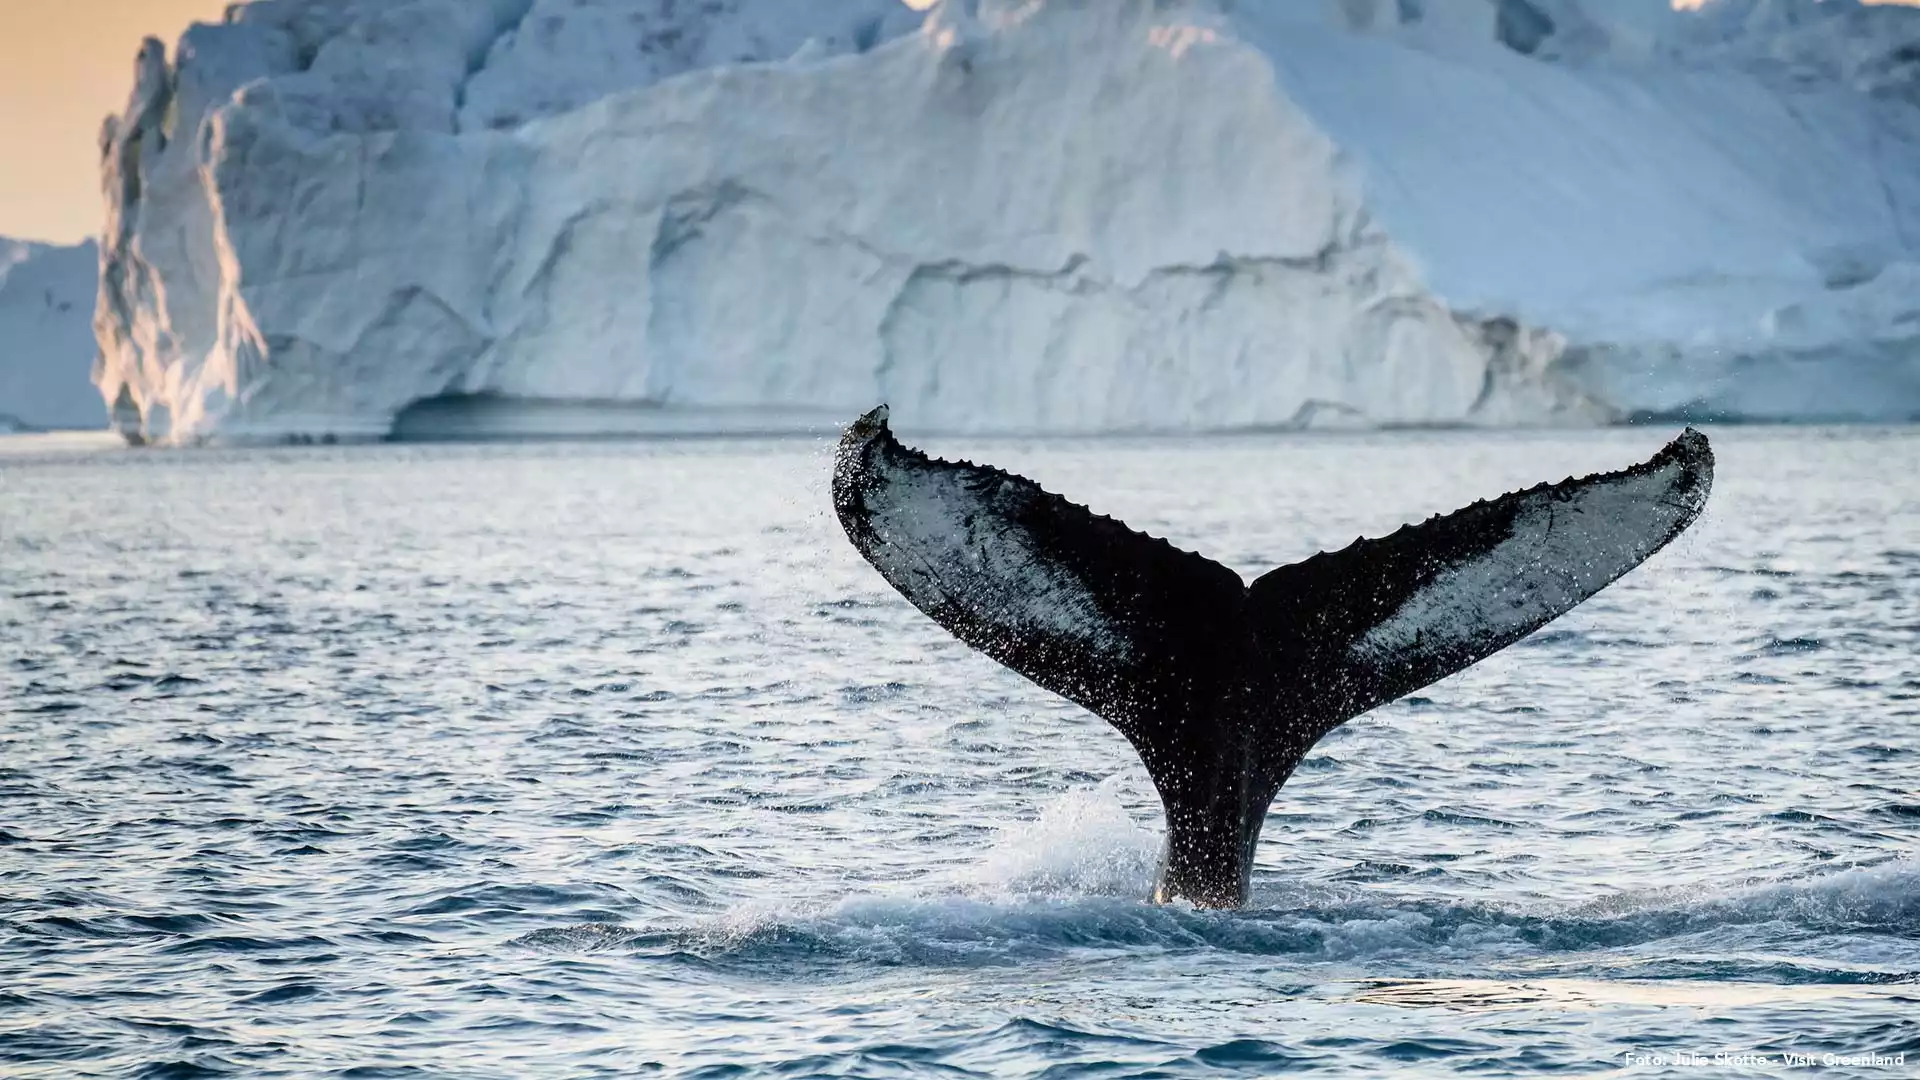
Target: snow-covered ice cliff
{"x": 327, "y": 218}
{"x": 46, "y": 336}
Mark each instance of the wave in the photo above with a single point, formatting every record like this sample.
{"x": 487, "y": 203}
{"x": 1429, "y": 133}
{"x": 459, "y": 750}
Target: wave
{"x": 1688, "y": 939}
{"x": 1074, "y": 882}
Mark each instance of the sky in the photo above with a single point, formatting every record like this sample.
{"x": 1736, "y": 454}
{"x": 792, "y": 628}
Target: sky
{"x": 64, "y": 66}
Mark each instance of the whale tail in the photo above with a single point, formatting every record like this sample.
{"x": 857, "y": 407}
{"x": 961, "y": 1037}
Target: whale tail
{"x": 1222, "y": 687}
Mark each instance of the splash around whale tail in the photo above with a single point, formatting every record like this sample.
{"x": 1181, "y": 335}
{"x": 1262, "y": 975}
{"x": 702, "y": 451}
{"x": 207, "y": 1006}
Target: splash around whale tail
{"x": 1222, "y": 687}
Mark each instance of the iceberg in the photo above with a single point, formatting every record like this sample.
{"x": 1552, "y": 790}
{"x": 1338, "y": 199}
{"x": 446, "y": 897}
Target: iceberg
{"x": 335, "y": 220}
{"x": 46, "y": 336}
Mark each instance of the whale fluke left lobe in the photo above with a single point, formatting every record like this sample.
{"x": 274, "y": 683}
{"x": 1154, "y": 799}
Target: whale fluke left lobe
{"x": 1121, "y": 623}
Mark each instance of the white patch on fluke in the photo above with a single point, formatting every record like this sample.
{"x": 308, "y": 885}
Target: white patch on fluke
{"x": 945, "y": 544}
{"x": 1561, "y": 551}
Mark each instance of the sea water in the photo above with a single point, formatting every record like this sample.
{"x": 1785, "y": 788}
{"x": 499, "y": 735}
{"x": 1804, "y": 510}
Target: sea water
{"x": 614, "y": 759}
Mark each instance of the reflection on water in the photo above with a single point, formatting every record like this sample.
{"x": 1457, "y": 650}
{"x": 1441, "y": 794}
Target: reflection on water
{"x": 1598, "y": 993}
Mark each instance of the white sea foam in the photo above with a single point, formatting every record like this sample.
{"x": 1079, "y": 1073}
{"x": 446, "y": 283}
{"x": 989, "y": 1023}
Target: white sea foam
{"x": 1084, "y": 843}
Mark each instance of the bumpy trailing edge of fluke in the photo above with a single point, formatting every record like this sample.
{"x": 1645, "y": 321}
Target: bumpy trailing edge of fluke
{"x": 1223, "y": 686}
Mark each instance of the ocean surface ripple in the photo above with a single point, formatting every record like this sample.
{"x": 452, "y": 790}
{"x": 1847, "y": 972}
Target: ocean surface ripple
{"x": 613, "y": 759}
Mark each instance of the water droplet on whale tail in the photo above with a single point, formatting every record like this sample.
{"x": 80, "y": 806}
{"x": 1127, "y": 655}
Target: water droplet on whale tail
{"x": 1222, "y": 687}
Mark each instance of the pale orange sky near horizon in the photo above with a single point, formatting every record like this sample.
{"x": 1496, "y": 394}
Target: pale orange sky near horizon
{"x": 64, "y": 66}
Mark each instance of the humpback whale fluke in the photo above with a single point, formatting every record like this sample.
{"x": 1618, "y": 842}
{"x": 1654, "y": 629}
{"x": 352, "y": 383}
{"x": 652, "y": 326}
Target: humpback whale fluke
{"x": 1221, "y": 686}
